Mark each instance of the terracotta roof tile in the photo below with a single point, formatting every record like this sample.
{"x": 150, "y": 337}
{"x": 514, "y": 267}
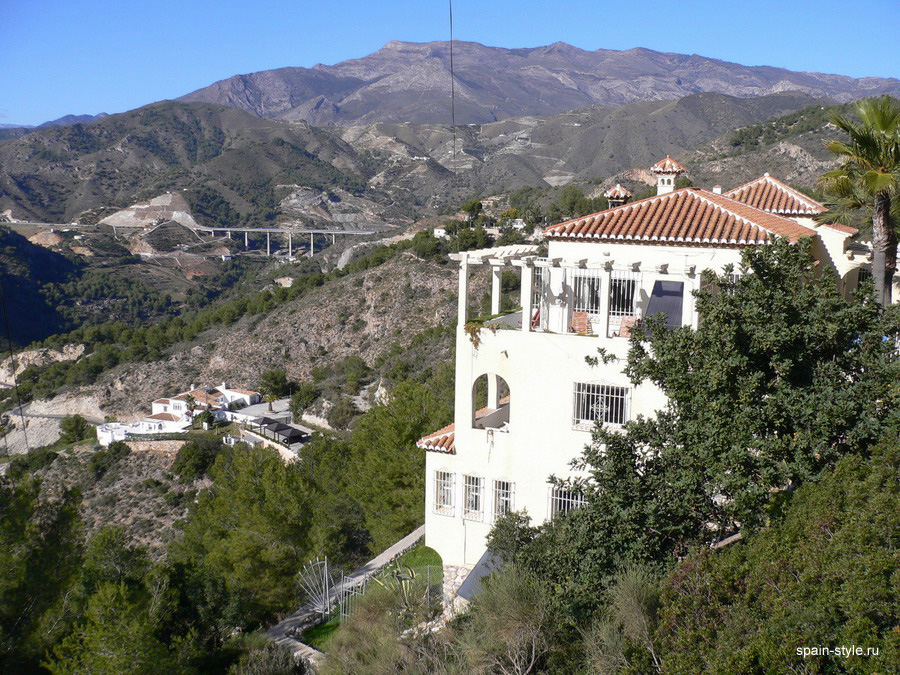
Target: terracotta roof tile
{"x": 685, "y": 216}
{"x": 443, "y": 440}
{"x": 667, "y": 165}
{"x": 846, "y": 229}
{"x": 166, "y": 417}
{"x": 617, "y": 192}
{"x": 770, "y": 194}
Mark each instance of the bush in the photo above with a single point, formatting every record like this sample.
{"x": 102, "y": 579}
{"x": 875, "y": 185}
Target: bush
{"x": 75, "y": 428}
{"x": 103, "y": 460}
{"x": 272, "y": 659}
{"x": 305, "y": 395}
{"x": 825, "y": 575}
{"x": 195, "y": 457}
{"x": 342, "y": 413}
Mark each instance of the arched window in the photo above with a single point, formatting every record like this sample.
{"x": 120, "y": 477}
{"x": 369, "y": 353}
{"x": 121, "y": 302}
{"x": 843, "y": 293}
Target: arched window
{"x": 490, "y": 402}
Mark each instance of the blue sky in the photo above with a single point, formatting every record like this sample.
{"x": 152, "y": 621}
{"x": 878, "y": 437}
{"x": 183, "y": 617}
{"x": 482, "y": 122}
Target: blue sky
{"x": 89, "y": 56}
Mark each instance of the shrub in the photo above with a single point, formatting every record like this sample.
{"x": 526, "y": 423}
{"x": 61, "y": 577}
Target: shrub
{"x": 195, "y": 457}
{"x": 103, "y": 460}
{"x": 75, "y": 428}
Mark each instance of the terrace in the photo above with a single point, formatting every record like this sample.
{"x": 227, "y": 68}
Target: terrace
{"x": 576, "y": 297}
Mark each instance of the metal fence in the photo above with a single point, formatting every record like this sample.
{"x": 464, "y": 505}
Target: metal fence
{"x": 332, "y": 593}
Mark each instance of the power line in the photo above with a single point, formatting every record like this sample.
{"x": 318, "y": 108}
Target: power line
{"x": 452, "y": 108}
{"x": 15, "y": 376}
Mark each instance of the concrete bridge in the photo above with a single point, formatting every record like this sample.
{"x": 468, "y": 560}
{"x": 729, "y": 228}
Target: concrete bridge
{"x": 228, "y": 232}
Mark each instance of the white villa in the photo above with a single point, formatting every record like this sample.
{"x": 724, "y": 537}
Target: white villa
{"x": 174, "y": 414}
{"x": 217, "y": 400}
{"x": 602, "y": 273}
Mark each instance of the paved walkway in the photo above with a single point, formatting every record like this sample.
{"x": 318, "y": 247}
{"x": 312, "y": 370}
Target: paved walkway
{"x": 289, "y": 629}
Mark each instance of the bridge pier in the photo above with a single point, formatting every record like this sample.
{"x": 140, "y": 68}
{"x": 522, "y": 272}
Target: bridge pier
{"x": 333, "y": 239}
{"x": 228, "y": 233}
{"x": 312, "y": 245}
{"x": 290, "y": 246}
{"x": 246, "y": 240}
{"x": 268, "y": 243}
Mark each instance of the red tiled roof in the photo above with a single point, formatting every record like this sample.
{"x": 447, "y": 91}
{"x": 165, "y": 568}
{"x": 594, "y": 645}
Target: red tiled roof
{"x": 201, "y": 397}
{"x": 846, "y": 229}
{"x": 617, "y": 192}
{"x": 685, "y": 216}
{"x": 164, "y": 401}
{"x": 166, "y": 417}
{"x": 443, "y": 440}
{"x": 770, "y": 194}
{"x": 667, "y": 165}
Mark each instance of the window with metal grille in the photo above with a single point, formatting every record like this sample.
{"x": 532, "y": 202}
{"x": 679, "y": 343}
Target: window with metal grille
{"x": 622, "y": 292}
{"x": 564, "y": 501}
{"x": 587, "y": 291}
{"x": 863, "y": 275}
{"x": 602, "y": 402}
{"x": 473, "y": 498}
{"x": 504, "y": 492}
{"x": 444, "y": 488}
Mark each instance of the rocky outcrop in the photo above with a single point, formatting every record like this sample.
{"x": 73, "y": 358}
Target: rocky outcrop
{"x": 169, "y": 206}
{"x": 15, "y": 365}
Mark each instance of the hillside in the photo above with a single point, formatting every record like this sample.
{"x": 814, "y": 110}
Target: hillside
{"x": 237, "y": 169}
{"x": 231, "y": 164}
{"x": 410, "y": 82}
{"x": 24, "y": 269}
{"x": 381, "y": 317}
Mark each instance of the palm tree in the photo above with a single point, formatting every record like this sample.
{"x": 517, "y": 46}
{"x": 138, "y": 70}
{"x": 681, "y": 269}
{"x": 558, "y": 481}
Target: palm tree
{"x": 270, "y": 398}
{"x": 869, "y": 178}
{"x": 191, "y": 404}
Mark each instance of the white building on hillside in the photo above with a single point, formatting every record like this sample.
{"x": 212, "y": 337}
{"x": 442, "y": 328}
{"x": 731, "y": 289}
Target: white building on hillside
{"x": 174, "y": 414}
{"x": 217, "y": 400}
{"x": 602, "y": 273}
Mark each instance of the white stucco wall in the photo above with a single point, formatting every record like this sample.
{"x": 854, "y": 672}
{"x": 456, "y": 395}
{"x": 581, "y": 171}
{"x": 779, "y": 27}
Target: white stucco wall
{"x": 541, "y": 369}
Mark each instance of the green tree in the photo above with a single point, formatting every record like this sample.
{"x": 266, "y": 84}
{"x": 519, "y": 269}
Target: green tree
{"x": 74, "y": 428}
{"x": 389, "y": 477}
{"x": 251, "y": 529}
{"x": 304, "y": 396}
{"x": 869, "y": 178}
{"x": 338, "y": 525}
{"x": 40, "y": 555}
{"x": 191, "y": 404}
{"x": 116, "y": 636}
{"x": 472, "y": 208}
{"x": 195, "y": 457}
{"x": 825, "y": 575}
{"x": 274, "y": 382}
{"x": 111, "y": 557}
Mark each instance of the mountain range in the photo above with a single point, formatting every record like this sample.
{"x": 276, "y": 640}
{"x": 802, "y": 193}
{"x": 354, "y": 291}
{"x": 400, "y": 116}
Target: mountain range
{"x": 410, "y": 82}
{"x": 236, "y": 168}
